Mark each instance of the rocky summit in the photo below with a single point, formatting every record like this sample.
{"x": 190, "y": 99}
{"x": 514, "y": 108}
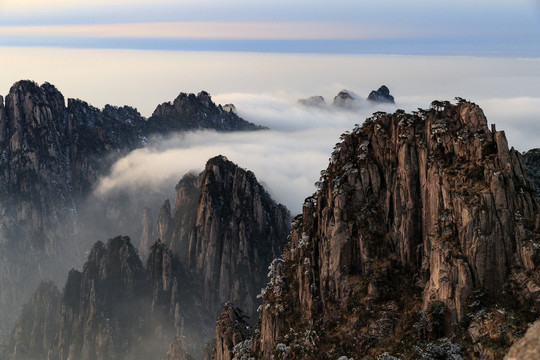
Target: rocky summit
{"x": 196, "y": 112}
{"x": 226, "y": 230}
{"x": 421, "y": 242}
{"x": 382, "y": 95}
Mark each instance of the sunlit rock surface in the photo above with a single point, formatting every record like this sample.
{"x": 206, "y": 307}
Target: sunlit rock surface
{"x": 422, "y": 238}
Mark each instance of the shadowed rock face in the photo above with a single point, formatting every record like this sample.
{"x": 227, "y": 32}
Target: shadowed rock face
{"x": 231, "y": 229}
{"x": 532, "y": 160}
{"x": 195, "y": 112}
{"x": 231, "y": 329}
{"x": 113, "y": 309}
{"x": 51, "y": 156}
{"x": 226, "y": 230}
{"x": 317, "y": 101}
{"x": 527, "y": 348}
{"x": 37, "y": 325}
{"x": 424, "y": 225}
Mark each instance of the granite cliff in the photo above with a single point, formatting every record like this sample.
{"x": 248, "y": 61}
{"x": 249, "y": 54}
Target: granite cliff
{"x": 421, "y": 242}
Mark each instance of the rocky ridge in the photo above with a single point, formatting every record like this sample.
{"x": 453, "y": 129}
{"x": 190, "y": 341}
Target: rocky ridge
{"x": 347, "y": 99}
{"x": 113, "y": 309}
{"x": 421, "y": 240}
{"x": 196, "y": 112}
{"x": 232, "y": 334}
{"x": 51, "y": 156}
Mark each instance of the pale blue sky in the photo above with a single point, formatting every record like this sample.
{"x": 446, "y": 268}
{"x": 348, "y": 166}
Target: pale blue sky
{"x": 484, "y": 28}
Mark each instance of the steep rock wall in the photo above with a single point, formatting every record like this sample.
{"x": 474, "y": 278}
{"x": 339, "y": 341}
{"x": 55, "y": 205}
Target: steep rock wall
{"x": 225, "y": 229}
{"x": 415, "y": 216}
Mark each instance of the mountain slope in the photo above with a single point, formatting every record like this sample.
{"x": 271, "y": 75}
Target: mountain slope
{"x": 422, "y": 239}
{"x": 112, "y": 309}
{"x": 117, "y": 309}
{"x": 51, "y": 157}
{"x": 226, "y": 230}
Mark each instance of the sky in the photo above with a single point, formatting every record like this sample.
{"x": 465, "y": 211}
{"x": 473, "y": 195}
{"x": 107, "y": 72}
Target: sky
{"x": 263, "y": 57}
{"x": 415, "y": 27}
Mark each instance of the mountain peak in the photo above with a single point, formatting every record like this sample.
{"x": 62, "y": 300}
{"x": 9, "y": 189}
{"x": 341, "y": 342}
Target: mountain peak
{"x": 194, "y": 112}
{"x": 382, "y": 95}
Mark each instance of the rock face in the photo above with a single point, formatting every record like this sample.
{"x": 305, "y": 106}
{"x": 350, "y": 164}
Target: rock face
{"x": 147, "y": 235}
{"x": 382, "y": 95}
{"x": 532, "y": 160}
{"x": 346, "y": 99}
{"x": 226, "y": 230}
{"x": 231, "y": 330}
{"x": 38, "y": 324}
{"x": 195, "y": 112}
{"x": 423, "y": 226}
{"x": 177, "y": 350}
{"x": 527, "y": 348}
{"x": 51, "y": 156}
{"x": 116, "y": 308}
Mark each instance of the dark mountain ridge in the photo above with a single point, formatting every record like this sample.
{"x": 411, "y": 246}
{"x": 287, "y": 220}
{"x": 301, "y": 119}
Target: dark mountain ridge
{"x": 117, "y": 309}
{"x": 51, "y": 157}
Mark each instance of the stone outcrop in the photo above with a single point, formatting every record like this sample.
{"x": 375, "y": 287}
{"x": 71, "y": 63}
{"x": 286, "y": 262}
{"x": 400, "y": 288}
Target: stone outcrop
{"x": 424, "y": 226}
{"x": 231, "y": 229}
{"x": 177, "y": 349}
{"x": 532, "y": 160}
{"x": 231, "y": 330}
{"x": 346, "y": 99}
{"x": 225, "y": 229}
{"x": 382, "y": 95}
{"x": 527, "y": 348}
{"x": 51, "y": 156}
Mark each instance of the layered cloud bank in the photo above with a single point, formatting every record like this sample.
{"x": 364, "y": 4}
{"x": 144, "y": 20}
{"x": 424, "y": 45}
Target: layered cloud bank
{"x": 287, "y": 159}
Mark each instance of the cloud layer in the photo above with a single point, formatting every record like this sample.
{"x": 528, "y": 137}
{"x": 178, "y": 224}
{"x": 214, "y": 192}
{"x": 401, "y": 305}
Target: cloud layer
{"x": 286, "y": 160}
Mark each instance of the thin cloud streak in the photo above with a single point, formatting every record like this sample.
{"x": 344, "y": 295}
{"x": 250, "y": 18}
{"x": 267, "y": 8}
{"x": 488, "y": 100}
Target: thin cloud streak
{"x": 213, "y": 30}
